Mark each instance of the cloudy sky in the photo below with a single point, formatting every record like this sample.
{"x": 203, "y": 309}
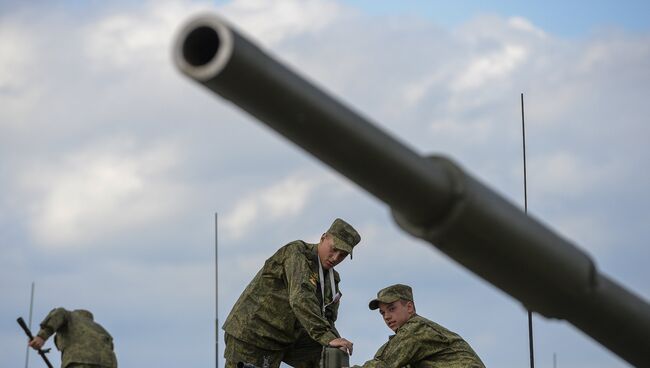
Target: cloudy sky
{"x": 113, "y": 164}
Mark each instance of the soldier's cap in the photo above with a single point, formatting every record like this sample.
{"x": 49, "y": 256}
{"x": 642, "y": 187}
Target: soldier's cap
{"x": 391, "y": 294}
{"x": 344, "y": 235}
{"x": 85, "y": 313}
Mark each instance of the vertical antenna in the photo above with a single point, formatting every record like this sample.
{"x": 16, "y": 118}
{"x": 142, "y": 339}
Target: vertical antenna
{"x": 31, "y": 309}
{"x": 554, "y": 361}
{"x": 530, "y": 314}
{"x": 216, "y": 291}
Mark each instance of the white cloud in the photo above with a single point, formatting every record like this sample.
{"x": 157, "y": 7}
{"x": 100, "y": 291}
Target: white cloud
{"x": 272, "y": 21}
{"x": 413, "y": 92}
{"x": 94, "y": 192}
{"x": 560, "y": 172}
{"x": 15, "y": 52}
{"x": 243, "y": 215}
{"x": 123, "y": 39}
{"x": 489, "y": 67}
{"x": 17, "y": 55}
{"x": 564, "y": 173}
{"x": 285, "y": 198}
{"x": 470, "y": 132}
{"x": 523, "y": 24}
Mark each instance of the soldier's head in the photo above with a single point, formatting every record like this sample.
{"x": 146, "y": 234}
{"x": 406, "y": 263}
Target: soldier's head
{"x": 337, "y": 243}
{"x": 395, "y": 304}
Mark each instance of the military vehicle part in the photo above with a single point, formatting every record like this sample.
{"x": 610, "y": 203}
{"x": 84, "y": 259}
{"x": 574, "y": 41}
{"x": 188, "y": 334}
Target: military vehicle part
{"x": 246, "y": 365}
{"x": 334, "y": 358}
{"x": 430, "y": 198}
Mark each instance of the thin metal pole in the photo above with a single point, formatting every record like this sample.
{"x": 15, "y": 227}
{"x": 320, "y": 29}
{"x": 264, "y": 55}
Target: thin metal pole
{"x": 530, "y": 339}
{"x": 530, "y": 314}
{"x": 554, "y": 360}
{"x": 31, "y": 309}
{"x": 523, "y": 134}
{"x": 216, "y": 291}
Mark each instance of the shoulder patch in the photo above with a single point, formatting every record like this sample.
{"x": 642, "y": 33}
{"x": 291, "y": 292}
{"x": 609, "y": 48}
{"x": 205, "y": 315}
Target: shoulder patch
{"x": 313, "y": 278}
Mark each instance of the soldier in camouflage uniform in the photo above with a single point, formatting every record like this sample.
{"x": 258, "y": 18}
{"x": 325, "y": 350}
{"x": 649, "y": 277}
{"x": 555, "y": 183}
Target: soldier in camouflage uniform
{"x": 287, "y": 312}
{"x": 418, "y": 342}
{"x": 83, "y": 342}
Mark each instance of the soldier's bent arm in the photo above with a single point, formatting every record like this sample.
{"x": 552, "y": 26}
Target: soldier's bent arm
{"x": 403, "y": 349}
{"x": 54, "y": 321}
{"x": 303, "y": 300}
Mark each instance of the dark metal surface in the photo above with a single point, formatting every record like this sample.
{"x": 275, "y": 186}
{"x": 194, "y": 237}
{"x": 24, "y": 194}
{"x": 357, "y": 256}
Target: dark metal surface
{"x": 431, "y": 198}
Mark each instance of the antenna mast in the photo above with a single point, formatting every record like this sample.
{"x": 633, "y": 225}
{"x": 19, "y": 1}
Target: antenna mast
{"x": 530, "y": 313}
{"x": 31, "y": 309}
{"x": 216, "y": 291}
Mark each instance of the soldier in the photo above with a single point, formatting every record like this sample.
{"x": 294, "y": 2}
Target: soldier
{"x": 417, "y": 342}
{"x": 83, "y": 342}
{"x": 287, "y": 312}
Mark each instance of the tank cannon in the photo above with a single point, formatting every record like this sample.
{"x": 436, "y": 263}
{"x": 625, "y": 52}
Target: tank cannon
{"x": 431, "y": 198}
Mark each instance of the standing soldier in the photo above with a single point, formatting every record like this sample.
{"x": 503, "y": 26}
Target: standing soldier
{"x": 287, "y": 312}
{"x": 83, "y": 342}
{"x": 417, "y": 342}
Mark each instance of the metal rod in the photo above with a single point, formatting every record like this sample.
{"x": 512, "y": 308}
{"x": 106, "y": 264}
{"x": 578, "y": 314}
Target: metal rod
{"x": 31, "y": 309}
{"x": 530, "y": 313}
{"x": 216, "y": 290}
{"x": 41, "y": 352}
{"x": 530, "y": 339}
{"x": 523, "y": 135}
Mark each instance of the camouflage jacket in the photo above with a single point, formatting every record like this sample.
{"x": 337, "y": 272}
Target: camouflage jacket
{"x": 283, "y": 300}
{"x": 421, "y": 343}
{"x": 79, "y": 338}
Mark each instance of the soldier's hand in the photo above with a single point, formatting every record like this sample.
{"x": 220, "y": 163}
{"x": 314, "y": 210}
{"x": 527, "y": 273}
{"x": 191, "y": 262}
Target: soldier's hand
{"x": 36, "y": 343}
{"x": 342, "y": 344}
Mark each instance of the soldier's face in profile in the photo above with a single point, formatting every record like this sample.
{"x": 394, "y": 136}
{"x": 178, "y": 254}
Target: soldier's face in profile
{"x": 396, "y": 314}
{"x": 329, "y": 256}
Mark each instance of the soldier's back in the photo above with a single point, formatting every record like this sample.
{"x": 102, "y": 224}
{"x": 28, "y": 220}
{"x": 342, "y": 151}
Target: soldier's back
{"x": 445, "y": 347}
{"x": 85, "y": 342}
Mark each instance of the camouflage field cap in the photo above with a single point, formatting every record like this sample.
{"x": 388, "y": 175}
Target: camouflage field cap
{"x": 85, "y": 313}
{"x": 344, "y": 235}
{"x": 391, "y": 294}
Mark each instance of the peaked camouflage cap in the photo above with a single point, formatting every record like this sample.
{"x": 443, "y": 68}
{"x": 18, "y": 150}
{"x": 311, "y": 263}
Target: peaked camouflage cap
{"x": 344, "y": 235}
{"x": 84, "y": 313}
{"x": 391, "y": 294}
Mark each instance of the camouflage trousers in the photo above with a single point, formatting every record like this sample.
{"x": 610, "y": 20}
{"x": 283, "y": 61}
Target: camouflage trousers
{"x": 82, "y": 365}
{"x": 305, "y": 353}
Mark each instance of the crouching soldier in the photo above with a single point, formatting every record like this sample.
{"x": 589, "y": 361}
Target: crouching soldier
{"x": 418, "y": 342}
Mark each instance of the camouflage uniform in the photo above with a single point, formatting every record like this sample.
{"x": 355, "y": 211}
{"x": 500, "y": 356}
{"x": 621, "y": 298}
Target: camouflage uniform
{"x": 278, "y": 317}
{"x": 419, "y": 342}
{"x": 82, "y": 342}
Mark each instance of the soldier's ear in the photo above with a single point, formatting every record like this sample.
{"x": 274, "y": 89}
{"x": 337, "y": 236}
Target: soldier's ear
{"x": 410, "y": 307}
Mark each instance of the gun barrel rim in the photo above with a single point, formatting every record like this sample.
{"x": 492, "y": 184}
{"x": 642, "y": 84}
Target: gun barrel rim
{"x": 203, "y": 63}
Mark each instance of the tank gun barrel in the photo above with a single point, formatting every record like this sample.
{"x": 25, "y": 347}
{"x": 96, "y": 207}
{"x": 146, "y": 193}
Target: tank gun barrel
{"x": 430, "y": 197}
